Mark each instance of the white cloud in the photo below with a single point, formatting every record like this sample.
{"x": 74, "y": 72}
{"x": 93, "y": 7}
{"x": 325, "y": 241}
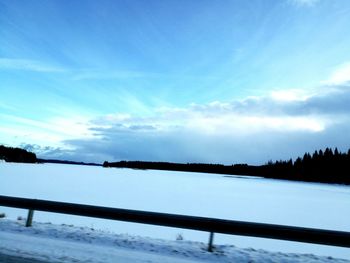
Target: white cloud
{"x": 249, "y": 125}
{"x": 289, "y": 95}
{"x": 88, "y": 74}
{"x": 226, "y": 123}
{"x": 50, "y": 132}
{"x": 26, "y": 64}
{"x": 340, "y": 75}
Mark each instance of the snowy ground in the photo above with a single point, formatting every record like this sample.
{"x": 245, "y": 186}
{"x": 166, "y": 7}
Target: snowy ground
{"x": 63, "y": 243}
{"x": 236, "y": 198}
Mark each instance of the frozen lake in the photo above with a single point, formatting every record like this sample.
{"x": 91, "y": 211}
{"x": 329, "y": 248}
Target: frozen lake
{"x": 210, "y": 195}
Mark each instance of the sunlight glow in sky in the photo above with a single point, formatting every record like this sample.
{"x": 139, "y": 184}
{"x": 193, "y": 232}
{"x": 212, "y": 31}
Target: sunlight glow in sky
{"x": 188, "y": 81}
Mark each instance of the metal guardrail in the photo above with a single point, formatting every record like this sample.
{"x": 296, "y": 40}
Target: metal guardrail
{"x": 212, "y": 225}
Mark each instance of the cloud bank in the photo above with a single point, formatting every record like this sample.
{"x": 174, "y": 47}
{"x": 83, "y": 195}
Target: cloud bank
{"x": 282, "y": 124}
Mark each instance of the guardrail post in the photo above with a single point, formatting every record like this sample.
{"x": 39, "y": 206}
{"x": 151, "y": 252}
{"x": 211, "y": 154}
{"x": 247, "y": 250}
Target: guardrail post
{"x": 210, "y": 245}
{"x": 29, "y": 218}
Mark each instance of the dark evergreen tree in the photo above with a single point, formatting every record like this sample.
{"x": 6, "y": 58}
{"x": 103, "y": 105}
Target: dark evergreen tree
{"x": 10, "y": 154}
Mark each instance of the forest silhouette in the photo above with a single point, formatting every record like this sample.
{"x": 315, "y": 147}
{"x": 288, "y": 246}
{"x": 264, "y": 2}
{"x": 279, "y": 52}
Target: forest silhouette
{"x": 326, "y": 166}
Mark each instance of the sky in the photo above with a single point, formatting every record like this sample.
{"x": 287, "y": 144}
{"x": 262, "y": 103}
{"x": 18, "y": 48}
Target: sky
{"x": 182, "y": 81}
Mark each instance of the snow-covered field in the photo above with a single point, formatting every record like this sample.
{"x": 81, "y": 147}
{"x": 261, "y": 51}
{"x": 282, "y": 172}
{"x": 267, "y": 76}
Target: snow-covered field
{"x": 236, "y": 198}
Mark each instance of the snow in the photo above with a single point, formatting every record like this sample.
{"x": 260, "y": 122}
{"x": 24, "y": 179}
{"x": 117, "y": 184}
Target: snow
{"x": 210, "y": 195}
{"x": 66, "y": 243}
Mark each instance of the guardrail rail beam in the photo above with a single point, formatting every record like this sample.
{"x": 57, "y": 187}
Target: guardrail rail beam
{"x": 212, "y": 225}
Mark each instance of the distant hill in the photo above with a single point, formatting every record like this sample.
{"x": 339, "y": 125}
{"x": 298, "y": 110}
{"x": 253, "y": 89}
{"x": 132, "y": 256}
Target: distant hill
{"x": 16, "y": 155}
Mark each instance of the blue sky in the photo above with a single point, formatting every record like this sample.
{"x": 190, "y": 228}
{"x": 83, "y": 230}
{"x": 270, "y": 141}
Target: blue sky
{"x": 188, "y": 81}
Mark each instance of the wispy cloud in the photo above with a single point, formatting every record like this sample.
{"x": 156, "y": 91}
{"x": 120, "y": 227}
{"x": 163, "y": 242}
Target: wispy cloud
{"x": 304, "y": 2}
{"x": 87, "y": 74}
{"x": 28, "y": 65}
{"x": 6, "y": 106}
{"x": 108, "y": 74}
{"x": 49, "y": 132}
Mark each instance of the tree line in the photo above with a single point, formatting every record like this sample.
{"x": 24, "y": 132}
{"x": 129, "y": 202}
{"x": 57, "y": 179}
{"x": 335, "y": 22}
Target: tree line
{"x": 326, "y": 166}
{"x": 17, "y": 155}
{"x": 329, "y": 166}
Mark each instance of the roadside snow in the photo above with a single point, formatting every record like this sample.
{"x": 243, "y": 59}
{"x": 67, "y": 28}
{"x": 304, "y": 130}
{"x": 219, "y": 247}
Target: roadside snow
{"x": 67, "y": 243}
